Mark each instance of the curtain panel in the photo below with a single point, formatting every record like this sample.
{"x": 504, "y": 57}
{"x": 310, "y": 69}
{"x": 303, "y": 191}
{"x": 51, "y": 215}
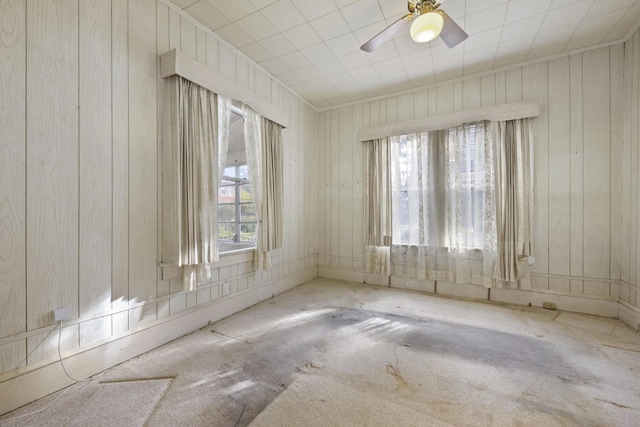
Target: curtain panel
{"x": 514, "y": 201}
{"x": 444, "y": 226}
{"x": 377, "y": 209}
{"x": 462, "y": 203}
{"x": 263, "y": 140}
{"x": 195, "y": 147}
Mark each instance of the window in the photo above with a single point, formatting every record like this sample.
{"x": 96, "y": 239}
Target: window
{"x": 439, "y": 189}
{"x": 237, "y": 218}
{"x": 236, "y": 212}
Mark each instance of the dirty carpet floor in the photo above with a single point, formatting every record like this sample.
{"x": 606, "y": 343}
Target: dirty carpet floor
{"x": 331, "y": 353}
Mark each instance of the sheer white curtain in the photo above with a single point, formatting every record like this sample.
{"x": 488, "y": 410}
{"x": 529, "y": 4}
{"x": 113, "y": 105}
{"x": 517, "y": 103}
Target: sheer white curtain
{"x": 196, "y": 147}
{"x": 443, "y": 205}
{"x": 263, "y": 140}
{"x": 377, "y": 200}
{"x": 514, "y": 201}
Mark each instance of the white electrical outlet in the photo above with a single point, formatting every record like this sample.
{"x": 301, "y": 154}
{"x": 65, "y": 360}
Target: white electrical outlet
{"x": 225, "y": 289}
{"x": 61, "y": 314}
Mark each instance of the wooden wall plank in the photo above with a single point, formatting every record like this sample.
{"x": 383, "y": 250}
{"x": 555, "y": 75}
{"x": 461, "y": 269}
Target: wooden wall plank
{"x": 52, "y": 166}
{"x": 345, "y": 184}
{"x": 635, "y": 177}
{"x": 421, "y": 104}
{"x": 336, "y": 156}
{"x": 174, "y": 30}
{"x": 212, "y": 54}
{"x": 444, "y": 99}
{"x": 559, "y": 168}
{"x": 163, "y": 40}
{"x": 188, "y": 42}
{"x": 357, "y": 156}
{"x": 12, "y": 181}
{"x": 120, "y": 145}
{"x": 626, "y": 159}
{"x": 201, "y": 45}
{"x": 577, "y": 162}
{"x": 488, "y": 90}
{"x": 514, "y": 85}
{"x": 534, "y": 82}
{"x": 95, "y": 167}
{"x": 52, "y": 153}
{"x": 597, "y": 173}
{"x": 471, "y": 94}
{"x": 143, "y": 154}
{"x": 406, "y": 107}
{"x": 617, "y": 148}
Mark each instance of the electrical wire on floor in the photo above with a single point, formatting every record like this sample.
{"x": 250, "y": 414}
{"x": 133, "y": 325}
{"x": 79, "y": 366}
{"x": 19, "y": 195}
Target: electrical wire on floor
{"x": 77, "y": 381}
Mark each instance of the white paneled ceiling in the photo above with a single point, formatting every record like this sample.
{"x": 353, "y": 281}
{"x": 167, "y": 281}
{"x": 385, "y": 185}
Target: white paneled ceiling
{"x": 313, "y": 46}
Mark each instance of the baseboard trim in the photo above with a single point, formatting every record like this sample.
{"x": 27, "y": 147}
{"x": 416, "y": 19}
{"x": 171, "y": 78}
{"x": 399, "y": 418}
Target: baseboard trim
{"x": 630, "y": 315}
{"x": 573, "y": 303}
{"x": 30, "y": 384}
{"x": 353, "y": 276}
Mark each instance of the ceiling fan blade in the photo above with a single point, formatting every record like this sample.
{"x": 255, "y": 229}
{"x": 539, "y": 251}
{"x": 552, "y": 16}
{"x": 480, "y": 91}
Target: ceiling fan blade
{"x": 387, "y": 33}
{"x": 451, "y": 34}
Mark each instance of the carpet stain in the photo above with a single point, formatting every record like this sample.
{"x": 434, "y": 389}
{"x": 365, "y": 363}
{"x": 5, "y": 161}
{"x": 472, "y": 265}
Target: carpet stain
{"x": 394, "y": 370}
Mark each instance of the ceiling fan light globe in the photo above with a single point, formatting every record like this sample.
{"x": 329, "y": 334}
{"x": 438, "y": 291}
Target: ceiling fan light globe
{"x": 426, "y": 27}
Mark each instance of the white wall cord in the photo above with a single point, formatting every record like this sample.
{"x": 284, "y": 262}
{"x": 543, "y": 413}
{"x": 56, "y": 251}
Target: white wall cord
{"x": 66, "y": 373}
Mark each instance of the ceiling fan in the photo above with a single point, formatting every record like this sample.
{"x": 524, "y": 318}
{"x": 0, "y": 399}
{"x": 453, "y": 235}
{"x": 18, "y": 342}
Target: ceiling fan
{"x": 427, "y": 21}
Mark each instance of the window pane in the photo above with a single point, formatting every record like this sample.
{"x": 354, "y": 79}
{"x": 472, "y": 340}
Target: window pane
{"x": 230, "y": 171}
{"x": 243, "y": 172}
{"x": 226, "y": 231}
{"x": 226, "y": 213}
{"x": 245, "y": 193}
{"x": 248, "y": 232}
{"x": 226, "y": 194}
{"x": 247, "y": 212}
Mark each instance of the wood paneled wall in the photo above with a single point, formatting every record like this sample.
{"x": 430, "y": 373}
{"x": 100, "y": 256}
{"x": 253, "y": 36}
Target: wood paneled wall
{"x": 578, "y": 154}
{"x": 630, "y": 209}
{"x": 80, "y": 172}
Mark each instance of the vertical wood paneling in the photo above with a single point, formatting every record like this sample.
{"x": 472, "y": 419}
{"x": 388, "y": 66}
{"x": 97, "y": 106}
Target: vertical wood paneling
{"x": 329, "y": 200}
{"x": 357, "y": 156}
{"x": 120, "y": 146}
{"x": 617, "y": 147}
{"x": 635, "y": 176}
{"x": 188, "y": 37}
{"x": 471, "y": 94}
{"x": 577, "y": 162}
{"x": 488, "y": 90}
{"x": 559, "y": 174}
{"x": 12, "y": 181}
{"x": 513, "y": 85}
{"x": 212, "y": 56}
{"x": 406, "y": 105}
{"x": 346, "y": 184}
{"x": 163, "y": 40}
{"x": 597, "y": 166}
{"x": 458, "y": 89}
{"x": 95, "y": 163}
{"x": 335, "y": 167}
{"x": 444, "y": 99}
{"x": 534, "y": 83}
{"x": 626, "y": 160}
{"x": 142, "y": 151}
{"x": 421, "y": 104}
{"x": 174, "y": 30}
{"x": 52, "y": 165}
{"x": 501, "y": 87}
{"x": 201, "y": 44}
